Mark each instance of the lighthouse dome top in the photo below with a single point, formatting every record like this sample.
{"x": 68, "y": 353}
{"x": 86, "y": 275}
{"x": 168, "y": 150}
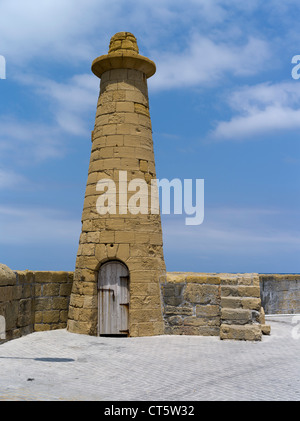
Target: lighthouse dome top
{"x": 123, "y": 53}
{"x": 123, "y": 41}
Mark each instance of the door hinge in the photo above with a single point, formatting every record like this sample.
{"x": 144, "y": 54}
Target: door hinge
{"x": 110, "y": 290}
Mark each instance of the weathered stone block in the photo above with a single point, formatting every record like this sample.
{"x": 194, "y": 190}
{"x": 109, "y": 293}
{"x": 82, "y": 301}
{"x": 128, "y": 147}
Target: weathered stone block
{"x": 108, "y": 107}
{"x": 26, "y": 291}
{"x": 63, "y": 317}
{"x": 142, "y": 276}
{"x": 10, "y": 312}
{"x": 107, "y": 237}
{"x": 90, "y": 301}
{"x": 41, "y": 327}
{"x": 237, "y": 332}
{"x": 201, "y": 279}
{"x": 37, "y": 290}
{"x": 241, "y": 302}
{"x": 51, "y": 316}
{"x": 231, "y": 302}
{"x": 175, "y": 321}
{"x": 251, "y": 303}
{"x": 179, "y": 310}
{"x": 43, "y": 303}
{"x": 126, "y": 107}
{"x": 151, "y": 315}
{"x": 6, "y": 293}
{"x": 60, "y": 303}
{"x": 249, "y": 291}
{"x": 240, "y": 291}
{"x": 87, "y": 250}
{"x": 142, "y": 237}
{"x": 21, "y": 277}
{"x": 158, "y": 328}
{"x": 50, "y": 289}
{"x": 38, "y": 317}
{"x": 76, "y": 300}
{"x": 112, "y": 251}
{"x": 141, "y": 109}
{"x": 144, "y": 289}
{"x": 146, "y": 329}
{"x": 7, "y": 276}
{"x": 266, "y": 329}
{"x": 146, "y": 302}
{"x": 208, "y": 331}
{"x": 236, "y": 316}
{"x": 207, "y": 310}
{"x": 65, "y": 289}
{"x": 125, "y": 237}
{"x": 87, "y": 315}
{"x": 202, "y": 294}
{"x": 201, "y": 321}
{"x": 43, "y": 277}
{"x": 173, "y": 293}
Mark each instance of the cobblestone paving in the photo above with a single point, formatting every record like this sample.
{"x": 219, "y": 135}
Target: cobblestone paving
{"x": 59, "y": 365}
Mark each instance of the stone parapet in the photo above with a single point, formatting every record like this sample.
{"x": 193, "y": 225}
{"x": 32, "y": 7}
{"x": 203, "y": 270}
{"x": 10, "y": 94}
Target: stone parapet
{"x": 191, "y": 304}
{"x": 280, "y": 293}
{"x": 206, "y": 304}
{"x": 222, "y": 304}
{"x": 241, "y": 310}
{"x": 33, "y": 301}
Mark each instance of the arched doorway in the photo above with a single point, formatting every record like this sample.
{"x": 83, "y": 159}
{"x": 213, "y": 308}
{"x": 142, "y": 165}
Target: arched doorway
{"x": 113, "y": 299}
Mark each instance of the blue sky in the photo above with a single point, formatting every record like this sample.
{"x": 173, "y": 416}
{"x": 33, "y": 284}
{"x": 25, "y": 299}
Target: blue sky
{"x": 224, "y": 108}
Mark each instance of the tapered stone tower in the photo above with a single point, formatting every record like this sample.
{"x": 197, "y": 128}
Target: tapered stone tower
{"x": 120, "y": 257}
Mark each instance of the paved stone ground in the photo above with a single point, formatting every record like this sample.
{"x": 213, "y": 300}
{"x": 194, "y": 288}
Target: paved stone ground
{"x": 59, "y": 365}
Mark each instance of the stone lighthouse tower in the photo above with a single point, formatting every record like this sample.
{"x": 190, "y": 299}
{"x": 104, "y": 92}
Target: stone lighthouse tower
{"x": 120, "y": 256}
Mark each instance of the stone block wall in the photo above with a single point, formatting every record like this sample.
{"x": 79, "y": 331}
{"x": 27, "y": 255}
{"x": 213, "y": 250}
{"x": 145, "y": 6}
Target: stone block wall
{"x": 280, "y": 294}
{"x": 228, "y": 305}
{"x": 191, "y": 304}
{"x": 33, "y": 301}
{"x": 16, "y": 304}
{"x": 51, "y": 296}
{"x": 242, "y": 315}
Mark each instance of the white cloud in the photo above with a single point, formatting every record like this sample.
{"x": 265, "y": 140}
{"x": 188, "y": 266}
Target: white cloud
{"x": 205, "y": 61}
{"x": 70, "y": 102}
{"x": 28, "y": 141}
{"x": 71, "y": 105}
{"x": 235, "y": 230}
{"x": 193, "y": 42}
{"x": 46, "y": 29}
{"x": 64, "y": 31}
{"x": 10, "y": 179}
{"x": 269, "y": 120}
{"x": 37, "y": 225}
{"x": 258, "y": 97}
{"x": 261, "y": 109}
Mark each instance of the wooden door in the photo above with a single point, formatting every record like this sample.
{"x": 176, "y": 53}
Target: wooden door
{"x": 113, "y": 299}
